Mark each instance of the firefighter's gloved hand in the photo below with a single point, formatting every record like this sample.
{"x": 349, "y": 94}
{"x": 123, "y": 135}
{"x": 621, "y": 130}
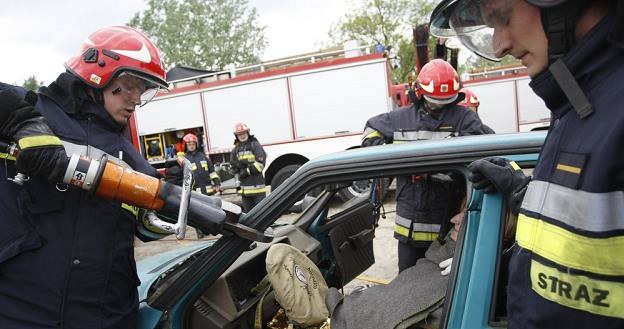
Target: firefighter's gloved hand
{"x": 445, "y": 266}
{"x": 244, "y": 173}
{"x": 41, "y": 152}
{"x": 497, "y": 174}
{"x": 204, "y": 211}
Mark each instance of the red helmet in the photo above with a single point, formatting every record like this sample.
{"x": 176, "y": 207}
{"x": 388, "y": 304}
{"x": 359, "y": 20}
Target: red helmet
{"x": 112, "y": 50}
{"x": 240, "y": 128}
{"x": 470, "y": 99}
{"x": 190, "y": 138}
{"x": 439, "y": 82}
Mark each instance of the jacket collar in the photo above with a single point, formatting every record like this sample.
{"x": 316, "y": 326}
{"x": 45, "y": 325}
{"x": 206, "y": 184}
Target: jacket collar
{"x": 71, "y": 95}
{"x": 584, "y": 60}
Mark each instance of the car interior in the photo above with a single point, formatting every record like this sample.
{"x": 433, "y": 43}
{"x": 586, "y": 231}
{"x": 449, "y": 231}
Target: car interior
{"x": 338, "y": 237}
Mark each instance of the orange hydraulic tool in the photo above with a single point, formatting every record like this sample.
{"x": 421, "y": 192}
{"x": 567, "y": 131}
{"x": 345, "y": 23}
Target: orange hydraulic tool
{"x": 109, "y": 180}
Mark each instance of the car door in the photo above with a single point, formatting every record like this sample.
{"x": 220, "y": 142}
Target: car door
{"x": 349, "y": 234}
{"x": 476, "y": 294}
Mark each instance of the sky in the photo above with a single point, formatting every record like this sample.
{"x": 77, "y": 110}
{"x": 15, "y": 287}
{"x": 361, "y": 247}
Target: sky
{"x": 39, "y": 35}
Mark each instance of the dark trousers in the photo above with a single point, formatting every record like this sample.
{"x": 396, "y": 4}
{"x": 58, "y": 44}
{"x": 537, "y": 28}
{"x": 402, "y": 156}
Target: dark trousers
{"x": 409, "y": 254}
{"x": 251, "y": 201}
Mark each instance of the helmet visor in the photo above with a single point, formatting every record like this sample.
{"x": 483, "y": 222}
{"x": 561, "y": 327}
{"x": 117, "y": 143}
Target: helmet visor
{"x": 440, "y": 101}
{"x": 473, "y": 23}
{"x": 148, "y": 90}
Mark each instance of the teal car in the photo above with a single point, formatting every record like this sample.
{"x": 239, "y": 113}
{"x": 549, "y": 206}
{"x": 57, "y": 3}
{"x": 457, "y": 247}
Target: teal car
{"x": 219, "y": 284}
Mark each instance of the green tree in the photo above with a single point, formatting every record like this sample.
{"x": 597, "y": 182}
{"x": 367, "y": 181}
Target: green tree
{"x": 206, "y": 34}
{"x": 475, "y": 62}
{"x": 32, "y": 83}
{"x": 385, "y": 22}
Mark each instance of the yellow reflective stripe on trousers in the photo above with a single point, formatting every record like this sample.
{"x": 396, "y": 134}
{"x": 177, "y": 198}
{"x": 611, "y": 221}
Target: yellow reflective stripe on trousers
{"x": 253, "y": 190}
{"x": 416, "y": 236}
{"x": 596, "y": 255}
{"x": 37, "y": 141}
{"x": 578, "y": 291}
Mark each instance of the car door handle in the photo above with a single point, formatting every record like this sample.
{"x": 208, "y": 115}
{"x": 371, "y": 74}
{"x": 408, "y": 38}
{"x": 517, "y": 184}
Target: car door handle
{"x": 356, "y": 241}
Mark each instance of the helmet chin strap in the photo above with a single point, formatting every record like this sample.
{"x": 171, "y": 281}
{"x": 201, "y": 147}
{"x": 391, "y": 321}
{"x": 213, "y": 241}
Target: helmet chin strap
{"x": 559, "y": 24}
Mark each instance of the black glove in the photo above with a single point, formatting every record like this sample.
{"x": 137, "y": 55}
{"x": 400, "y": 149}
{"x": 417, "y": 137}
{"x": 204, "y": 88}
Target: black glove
{"x": 243, "y": 169}
{"x": 41, "y": 152}
{"x": 372, "y": 141}
{"x": 497, "y": 174}
{"x": 204, "y": 211}
{"x": 244, "y": 173}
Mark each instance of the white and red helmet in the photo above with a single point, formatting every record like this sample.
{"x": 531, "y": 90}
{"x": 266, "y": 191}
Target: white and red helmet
{"x": 240, "y": 128}
{"x": 470, "y": 99}
{"x": 190, "y": 138}
{"x": 438, "y": 82}
{"x": 112, "y": 50}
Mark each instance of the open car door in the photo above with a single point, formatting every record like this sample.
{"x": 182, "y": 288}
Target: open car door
{"x": 349, "y": 234}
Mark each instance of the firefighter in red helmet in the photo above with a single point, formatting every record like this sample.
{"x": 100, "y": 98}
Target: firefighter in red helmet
{"x": 67, "y": 257}
{"x": 566, "y": 268}
{"x": 247, "y": 160}
{"x": 421, "y": 215}
{"x": 472, "y": 102}
{"x": 206, "y": 179}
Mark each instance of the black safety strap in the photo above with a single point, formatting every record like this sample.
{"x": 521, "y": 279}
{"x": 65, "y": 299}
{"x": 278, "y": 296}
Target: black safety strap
{"x": 559, "y": 24}
{"x": 571, "y": 89}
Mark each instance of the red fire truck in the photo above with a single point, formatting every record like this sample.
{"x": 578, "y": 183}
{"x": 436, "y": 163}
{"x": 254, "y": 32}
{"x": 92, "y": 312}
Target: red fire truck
{"x": 298, "y": 108}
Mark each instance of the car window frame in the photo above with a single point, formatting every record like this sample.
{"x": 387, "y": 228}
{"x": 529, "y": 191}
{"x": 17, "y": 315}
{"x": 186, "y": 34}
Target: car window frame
{"x": 378, "y": 161}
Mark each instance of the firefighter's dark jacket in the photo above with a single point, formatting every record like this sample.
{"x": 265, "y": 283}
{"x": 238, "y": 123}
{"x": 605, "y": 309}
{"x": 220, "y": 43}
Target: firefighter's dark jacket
{"x": 203, "y": 171}
{"x": 568, "y": 271}
{"x": 422, "y": 201}
{"x": 66, "y": 257}
{"x": 249, "y": 158}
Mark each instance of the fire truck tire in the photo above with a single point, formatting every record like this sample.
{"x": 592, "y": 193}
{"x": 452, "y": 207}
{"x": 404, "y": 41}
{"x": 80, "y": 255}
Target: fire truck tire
{"x": 286, "y": 172}
{"x": 283, "y": 174}
{"x": 362, "y": 188}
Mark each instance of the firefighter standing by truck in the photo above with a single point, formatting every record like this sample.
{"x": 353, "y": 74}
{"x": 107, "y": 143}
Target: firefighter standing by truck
{"x": 67, "y": 257}
{"x": 247, "y": 161}
{"x": 422, "y": 200}
{"x": 567, "y": 269}
{"x": 206, "y": 179}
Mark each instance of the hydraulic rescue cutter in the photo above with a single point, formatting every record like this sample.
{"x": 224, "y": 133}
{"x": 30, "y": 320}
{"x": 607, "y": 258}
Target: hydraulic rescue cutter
{"x": 109, "y": 180}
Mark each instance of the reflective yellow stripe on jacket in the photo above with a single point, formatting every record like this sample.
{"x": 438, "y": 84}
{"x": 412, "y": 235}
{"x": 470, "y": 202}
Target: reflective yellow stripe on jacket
{"x": 37, "y": 141}
{"x": 581, "y": 232}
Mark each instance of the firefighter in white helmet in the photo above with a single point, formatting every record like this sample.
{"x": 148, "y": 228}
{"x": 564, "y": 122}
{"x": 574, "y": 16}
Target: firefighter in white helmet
{"x": 247, "y": 160}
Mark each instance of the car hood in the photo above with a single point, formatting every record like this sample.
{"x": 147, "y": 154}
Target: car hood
{"x": 152, "y": 267}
